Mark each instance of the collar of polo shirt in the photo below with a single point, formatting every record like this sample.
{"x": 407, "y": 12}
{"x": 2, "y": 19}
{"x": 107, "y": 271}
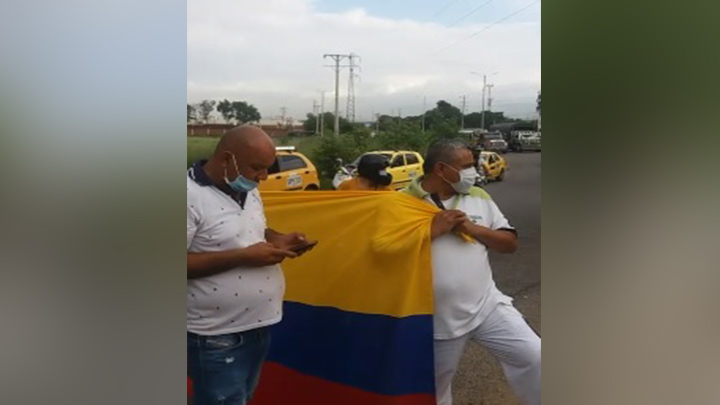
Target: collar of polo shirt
{"x": 198, "y": 175}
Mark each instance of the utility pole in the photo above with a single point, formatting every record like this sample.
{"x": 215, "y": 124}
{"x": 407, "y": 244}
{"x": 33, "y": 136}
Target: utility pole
{"x": 377, "y": 124}
{"x": 322, "y": 114}
{"x": 317, "y": 116}
{"x": 482, "y": 113}
{"x": 350, "y": 110}
{"x": 337, "y": 58}
{"x": 424, "y": 111}
{"x": 490, "y": 99}
{"x": 399, "y": 115}
{"x": 485, "y": 86}
{"x": 462, "y": 117}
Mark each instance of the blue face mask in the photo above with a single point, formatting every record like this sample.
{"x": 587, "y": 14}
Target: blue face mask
{"x": 241, "y": 184}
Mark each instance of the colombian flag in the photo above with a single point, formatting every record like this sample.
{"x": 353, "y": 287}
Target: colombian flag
{"x": 357, "y": 327}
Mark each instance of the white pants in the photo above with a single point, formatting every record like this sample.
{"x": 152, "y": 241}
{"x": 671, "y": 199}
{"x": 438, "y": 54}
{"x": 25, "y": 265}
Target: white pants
{"x": 507, "y": 336}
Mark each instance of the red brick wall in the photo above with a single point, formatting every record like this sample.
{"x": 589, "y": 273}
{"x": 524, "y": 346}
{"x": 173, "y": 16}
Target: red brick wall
{"x": 217, "y": 130}
{"x": 210, "y": 130}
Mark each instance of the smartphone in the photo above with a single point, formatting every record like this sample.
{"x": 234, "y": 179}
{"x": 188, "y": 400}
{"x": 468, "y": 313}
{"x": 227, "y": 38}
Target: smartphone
{"x": 303, "y": 247}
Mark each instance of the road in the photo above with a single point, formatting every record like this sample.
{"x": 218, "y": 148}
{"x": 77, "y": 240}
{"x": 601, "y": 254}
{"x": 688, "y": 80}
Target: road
{"x": 480, "y": 380}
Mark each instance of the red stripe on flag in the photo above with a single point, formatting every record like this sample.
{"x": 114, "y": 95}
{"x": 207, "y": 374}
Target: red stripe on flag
{"x": 280, "y": 385}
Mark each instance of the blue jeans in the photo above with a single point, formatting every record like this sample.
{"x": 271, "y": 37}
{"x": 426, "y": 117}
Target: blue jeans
{"x": 225, "y": 369}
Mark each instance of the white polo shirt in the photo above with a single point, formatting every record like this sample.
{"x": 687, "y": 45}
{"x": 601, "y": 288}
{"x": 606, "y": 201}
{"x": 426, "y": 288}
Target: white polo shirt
{"x": 465, "y": 292}
{"x": 242, "y": 298}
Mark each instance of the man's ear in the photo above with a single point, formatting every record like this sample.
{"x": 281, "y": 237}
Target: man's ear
{"x": 227, "y": 158}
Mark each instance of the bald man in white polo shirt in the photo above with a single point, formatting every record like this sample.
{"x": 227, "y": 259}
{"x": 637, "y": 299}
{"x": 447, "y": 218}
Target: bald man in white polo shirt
{"x": 468, "y": 305}
{"x": 235, "y": 285}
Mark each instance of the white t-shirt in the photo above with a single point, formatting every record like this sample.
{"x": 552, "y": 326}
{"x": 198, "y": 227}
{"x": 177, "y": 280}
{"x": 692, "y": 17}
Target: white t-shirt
{"x": 240, "y": 299}
{"x": 465, "y": 292}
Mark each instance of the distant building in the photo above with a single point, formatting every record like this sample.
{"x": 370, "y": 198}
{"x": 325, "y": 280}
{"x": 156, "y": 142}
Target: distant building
{"x": 275, "y": 127}
{"x": 280, "y": 126}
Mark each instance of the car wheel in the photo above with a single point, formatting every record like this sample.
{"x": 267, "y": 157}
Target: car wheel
{"x": 501, "y": 176}
{"x": 311, "y": 187}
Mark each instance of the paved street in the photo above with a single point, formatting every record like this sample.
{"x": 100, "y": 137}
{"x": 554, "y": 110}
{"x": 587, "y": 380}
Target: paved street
{"x": 480, "y": 380}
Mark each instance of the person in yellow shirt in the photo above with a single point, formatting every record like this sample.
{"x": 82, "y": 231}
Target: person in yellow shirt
{"x": 372, "y": 175}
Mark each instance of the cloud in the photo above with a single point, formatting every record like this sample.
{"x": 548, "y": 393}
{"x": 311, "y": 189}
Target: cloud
{"x": 270, "y": 53}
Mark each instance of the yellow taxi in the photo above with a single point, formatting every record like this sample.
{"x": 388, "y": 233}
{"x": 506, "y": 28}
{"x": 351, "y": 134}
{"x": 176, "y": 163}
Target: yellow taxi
{"x": 404, "y": 166}
{"x": 292, "y": 171}
{"x": 494, "y": 165}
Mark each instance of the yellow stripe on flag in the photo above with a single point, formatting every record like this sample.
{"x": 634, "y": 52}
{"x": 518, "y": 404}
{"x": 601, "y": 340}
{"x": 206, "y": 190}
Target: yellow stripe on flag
{"x": 373, "y": 254}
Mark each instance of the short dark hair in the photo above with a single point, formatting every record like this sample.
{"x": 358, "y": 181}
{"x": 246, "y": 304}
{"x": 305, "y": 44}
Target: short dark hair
{"x": 372, "y": 163}
{"x": 442, "y": 151}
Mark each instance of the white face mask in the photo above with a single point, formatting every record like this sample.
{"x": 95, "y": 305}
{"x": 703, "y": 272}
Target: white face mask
{"x": 467, "y": 180}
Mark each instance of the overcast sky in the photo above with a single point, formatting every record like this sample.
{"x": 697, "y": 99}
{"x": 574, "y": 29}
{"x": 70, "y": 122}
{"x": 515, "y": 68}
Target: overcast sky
{"x": 270, "y": 53}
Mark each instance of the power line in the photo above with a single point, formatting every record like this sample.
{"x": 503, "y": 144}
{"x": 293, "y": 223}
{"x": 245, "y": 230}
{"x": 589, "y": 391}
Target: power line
{"x": 503, "y": 19}
{"x": 488, "y": 27}
{"x": 473, "y": 11}
{"x": 445, "y": 7}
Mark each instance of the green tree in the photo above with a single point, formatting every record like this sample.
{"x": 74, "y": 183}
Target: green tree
{"x": 442, "y": 115}
{"x": 328, "y": 120}
{"x": 310, "y": 123}
{"x": 225, "y": 109}
{"x": 385, "y": 122}
{"x": 240, "y": 112}
{"x": 474, "y": 120}
{"x": 446, "y": 129}
{"x": 404, "y": 135}
{"x": 205, "y": 108}
{"x": 448, "y": 112}
{"x": 245, "y": 112}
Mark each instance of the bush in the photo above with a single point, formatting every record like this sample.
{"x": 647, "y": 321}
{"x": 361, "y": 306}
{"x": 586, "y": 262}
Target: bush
{"x": 330, "y": 149}
{"x": 445, "y": 130}
{"x": 403, "y": 136}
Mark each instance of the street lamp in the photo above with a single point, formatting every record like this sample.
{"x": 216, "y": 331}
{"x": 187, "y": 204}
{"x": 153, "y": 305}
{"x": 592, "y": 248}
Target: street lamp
{"x": 482, "y": 112}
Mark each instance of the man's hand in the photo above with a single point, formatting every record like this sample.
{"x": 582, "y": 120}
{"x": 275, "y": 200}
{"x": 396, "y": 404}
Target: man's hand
{"x": 258, "y": 255}
{"x": 501, "y": 241}
{"x": 466, "y": 226}
{"x": 265, "y": 254}
{"x": 445, "y": 221}
{"x": 286, "y": 241}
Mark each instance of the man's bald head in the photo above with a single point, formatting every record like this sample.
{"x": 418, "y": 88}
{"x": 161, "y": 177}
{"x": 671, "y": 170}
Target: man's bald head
{"x": 245, "y": 138}
{"x": 245, "y": 150}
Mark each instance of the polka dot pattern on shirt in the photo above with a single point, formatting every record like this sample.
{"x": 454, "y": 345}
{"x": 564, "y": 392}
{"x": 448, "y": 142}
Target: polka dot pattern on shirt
{"x": 240, "y": 298}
